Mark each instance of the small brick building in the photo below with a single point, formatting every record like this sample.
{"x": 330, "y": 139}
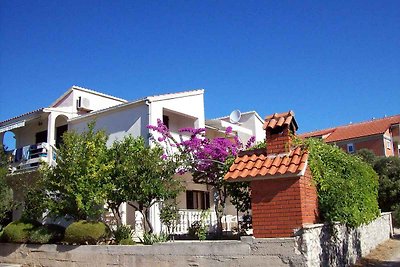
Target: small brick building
{"x": 283, "y": 195}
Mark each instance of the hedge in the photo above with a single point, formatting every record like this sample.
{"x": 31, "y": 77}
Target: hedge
{"x": 86, "y": 232}
{"x": 347, "y": 186}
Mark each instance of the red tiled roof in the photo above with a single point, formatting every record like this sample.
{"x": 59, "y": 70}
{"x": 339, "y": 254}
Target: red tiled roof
{"x": 279, "y": 119}
{"x": 317, "y": 133}
{"x": 356, "y": 130}
{"x": 250, "y": 165}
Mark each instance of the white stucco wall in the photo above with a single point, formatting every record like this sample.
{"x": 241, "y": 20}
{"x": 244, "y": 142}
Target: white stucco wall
{"x": 131, "y": 119}
{"x": 183, "y": 105}
{"x": 251, "y": 122}
{"x": 97, "y": 102}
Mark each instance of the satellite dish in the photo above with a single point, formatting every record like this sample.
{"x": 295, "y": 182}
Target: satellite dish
{"x": 235, "y": 116}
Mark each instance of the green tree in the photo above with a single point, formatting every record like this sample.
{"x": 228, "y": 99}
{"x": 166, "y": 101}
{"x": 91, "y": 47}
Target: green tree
{"x": 6, "y": 203}
{"x": 367, "y": 156}
{"x": 77, "y": 186}
{"x": 141, "y": 177}
{"x": 388, "y": 169}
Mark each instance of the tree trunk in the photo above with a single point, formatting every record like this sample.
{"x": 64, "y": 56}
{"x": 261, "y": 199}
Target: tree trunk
{"x": 219, "y": 210}
{"x": 115, "y": 210}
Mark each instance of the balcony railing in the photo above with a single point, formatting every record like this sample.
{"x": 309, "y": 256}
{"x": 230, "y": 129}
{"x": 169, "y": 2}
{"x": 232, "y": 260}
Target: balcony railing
{"x": 29, "y": 157}
{"x": 187, "y": 217}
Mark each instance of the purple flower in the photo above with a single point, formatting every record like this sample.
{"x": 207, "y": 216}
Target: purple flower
{"x": 251, "y": 142}
{"x": 228, "y": 130}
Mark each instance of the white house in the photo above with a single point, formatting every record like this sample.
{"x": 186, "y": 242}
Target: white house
{"x": 38, "y": 133}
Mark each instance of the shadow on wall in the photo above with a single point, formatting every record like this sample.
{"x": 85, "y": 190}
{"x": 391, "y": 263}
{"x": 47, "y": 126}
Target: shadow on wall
{"x": 341, "y": 245}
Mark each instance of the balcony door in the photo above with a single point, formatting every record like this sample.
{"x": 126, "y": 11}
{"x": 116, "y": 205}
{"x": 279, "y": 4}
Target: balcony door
{"x": 41, "y": 137}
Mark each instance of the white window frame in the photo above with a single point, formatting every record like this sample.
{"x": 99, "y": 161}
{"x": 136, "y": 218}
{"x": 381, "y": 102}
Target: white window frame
{"x": 388, "y": 144}
{"x": 352, "y": 150}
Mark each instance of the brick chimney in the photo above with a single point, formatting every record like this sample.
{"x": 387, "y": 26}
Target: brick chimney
{"x": 279, "y": 129}
{"x": 283, "y": 195}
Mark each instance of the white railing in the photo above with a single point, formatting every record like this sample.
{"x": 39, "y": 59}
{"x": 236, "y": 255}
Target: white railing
{"x": 29, "y": 157}
{"x": 187, "y": 217}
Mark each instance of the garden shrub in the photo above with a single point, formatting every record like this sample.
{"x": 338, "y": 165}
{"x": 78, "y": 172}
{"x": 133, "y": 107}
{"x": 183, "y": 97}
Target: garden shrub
{"x": 199, "y": 229}
{"x": 123, "y": 232}
{"x": 347, "y": 186}
{"x": 151, "y": 238}
{"x": 19, "y": 231}
{"x": 86, "y": 232}
{"x": 40, "y": 235}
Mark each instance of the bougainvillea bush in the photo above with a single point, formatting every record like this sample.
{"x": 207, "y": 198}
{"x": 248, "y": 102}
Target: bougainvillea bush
{"x": 206, "y": 159}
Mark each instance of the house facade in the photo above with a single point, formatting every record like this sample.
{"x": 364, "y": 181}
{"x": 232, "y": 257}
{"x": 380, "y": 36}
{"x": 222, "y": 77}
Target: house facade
{"x": 38, "y": 134}
{"x": 382, "y": 136}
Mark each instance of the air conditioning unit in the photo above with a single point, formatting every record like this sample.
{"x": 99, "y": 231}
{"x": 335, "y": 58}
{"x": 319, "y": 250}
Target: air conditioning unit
{"x": 83, "y": 103}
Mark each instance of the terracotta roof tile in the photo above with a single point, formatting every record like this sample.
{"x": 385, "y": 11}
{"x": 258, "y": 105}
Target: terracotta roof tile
{"x": 279, "y": 119}
{"x": 356, "y": 130}
{"x": 248, "y": 166}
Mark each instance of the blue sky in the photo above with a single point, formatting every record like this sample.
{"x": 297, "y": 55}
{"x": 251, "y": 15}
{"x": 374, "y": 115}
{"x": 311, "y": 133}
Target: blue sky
{"x": 332, "y": 62}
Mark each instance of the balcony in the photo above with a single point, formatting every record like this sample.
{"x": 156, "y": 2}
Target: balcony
{"x": 29, "y": 158}
{"x": 188, "y": 216}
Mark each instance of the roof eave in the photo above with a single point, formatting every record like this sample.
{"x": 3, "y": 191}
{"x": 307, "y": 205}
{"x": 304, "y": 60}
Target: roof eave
{"x": 22, "y": 116}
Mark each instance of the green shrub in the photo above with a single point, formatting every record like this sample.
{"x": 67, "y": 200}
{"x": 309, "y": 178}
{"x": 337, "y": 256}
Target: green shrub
{"x": 85, "y": 232}
{"x": 123, "y": 232}
{"x": 19, "y": 231}
{"x": 199, "y": 229}
{"x": 150, "y": 238}
{"x": 127, "y": 241}
{"x": 48, "y": 233}
{"x": 40, "y": 235}
{"x": 347, "y": 187}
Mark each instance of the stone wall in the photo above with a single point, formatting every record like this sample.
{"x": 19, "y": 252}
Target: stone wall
{"x": 273, "y": 252}
{"x": 314, "y": 245}
{"x": 341, "y": 246}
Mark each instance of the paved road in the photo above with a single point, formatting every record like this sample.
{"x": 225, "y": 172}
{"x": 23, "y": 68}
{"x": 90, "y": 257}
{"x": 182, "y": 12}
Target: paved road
{"x": 385, "y": 255}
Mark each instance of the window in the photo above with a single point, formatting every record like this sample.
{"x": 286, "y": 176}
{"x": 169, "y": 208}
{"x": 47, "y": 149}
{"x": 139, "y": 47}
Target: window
{"x": 199, "y": 200}
{"x": 165, "y": 120}
{"x": 350, "y": 148}
{"x": 388, "y": 144}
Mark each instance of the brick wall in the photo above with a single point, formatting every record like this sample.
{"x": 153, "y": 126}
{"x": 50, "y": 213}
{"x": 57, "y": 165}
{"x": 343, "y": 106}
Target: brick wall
{"x": 281, "y": 205}
{"x": 375, "y": 144}
{"x": 279, "y": 142}
{"x": 309, "y": 199}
